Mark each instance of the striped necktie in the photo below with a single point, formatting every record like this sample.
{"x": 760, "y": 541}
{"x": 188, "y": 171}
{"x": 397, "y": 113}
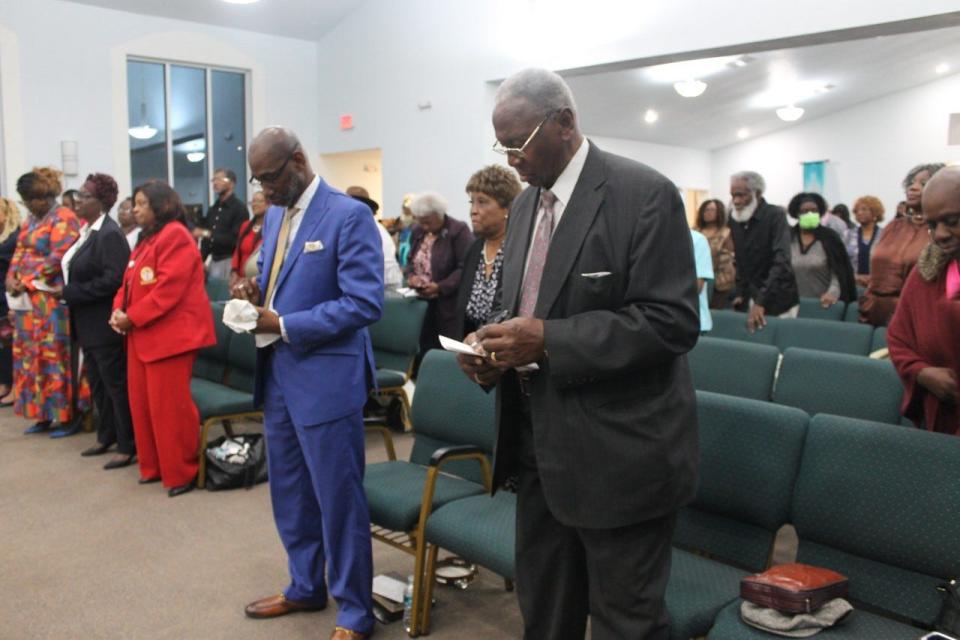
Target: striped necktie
{"x": 538, "y": 255}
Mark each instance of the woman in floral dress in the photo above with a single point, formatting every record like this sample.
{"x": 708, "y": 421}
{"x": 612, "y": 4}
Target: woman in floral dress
{"x": 41, "y": 345}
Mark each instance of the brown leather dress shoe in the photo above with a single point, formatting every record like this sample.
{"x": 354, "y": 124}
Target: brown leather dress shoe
{"x": 340, "y": 633}
{"x": 278, "y": 605}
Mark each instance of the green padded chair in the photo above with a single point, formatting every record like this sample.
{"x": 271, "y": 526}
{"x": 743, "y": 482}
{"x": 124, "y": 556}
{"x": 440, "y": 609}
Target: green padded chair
{"x": 218, "y": 290}
{"x": 824, "y": 335}
{"x": 396, "y": 341}
{"x": 852, "y": 313}
{"x": 453, "y": 427}
{"x": 481, "y": 529}
{"x": 732, "y": 325}
{"x": 749, "y": 458}
{"x": 878, "y": 504}
{"x": 223, "y": 390}
{"x": 878, "y": 342}
{"x": 734, "y": 368}
{"x": 811, "y": 308}
{"x": 839, "y": 384}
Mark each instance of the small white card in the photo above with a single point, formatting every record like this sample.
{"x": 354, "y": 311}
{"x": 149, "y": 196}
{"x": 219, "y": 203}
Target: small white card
{"x": 19, "y": 302}
{"x": 449, "y": 344}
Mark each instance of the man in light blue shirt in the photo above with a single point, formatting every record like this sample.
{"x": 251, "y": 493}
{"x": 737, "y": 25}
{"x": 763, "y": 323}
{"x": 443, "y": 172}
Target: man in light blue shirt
{"x": 704, "y": 262}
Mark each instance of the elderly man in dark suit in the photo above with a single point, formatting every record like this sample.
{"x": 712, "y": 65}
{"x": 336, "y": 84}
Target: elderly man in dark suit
{"x": 599, "y": 279}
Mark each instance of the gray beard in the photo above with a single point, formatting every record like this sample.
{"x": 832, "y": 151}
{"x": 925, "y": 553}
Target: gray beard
{"x": 744, "y": 214}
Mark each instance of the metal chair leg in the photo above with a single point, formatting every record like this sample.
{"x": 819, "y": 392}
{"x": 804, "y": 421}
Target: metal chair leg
{"x": 426, "y": 604}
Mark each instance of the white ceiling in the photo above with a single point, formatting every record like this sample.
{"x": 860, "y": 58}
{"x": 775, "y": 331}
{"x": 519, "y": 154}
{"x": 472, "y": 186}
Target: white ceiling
{"x": 613, "y": 103}
{"x": 304, "y": 19}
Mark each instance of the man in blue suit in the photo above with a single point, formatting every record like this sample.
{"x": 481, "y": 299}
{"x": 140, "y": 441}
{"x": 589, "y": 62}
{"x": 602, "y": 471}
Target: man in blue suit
{"x": 320, "y": 285}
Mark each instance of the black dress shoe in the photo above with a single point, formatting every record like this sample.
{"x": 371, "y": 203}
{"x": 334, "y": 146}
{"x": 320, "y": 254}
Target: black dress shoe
{"x": 98, "y": 450}
{"x": 119, "y": 463}
{"x": 182, "y": 489}
{"x": 148, "y": 480}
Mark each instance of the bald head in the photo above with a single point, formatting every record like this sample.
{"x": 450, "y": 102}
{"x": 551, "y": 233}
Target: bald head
{"x": 941, "y": 208}
{"x": 279, "y": 162}
{"x": 357, "y": 192}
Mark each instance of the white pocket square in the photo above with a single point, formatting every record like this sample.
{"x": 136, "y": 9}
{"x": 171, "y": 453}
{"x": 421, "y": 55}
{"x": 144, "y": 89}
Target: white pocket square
{"x": 312, "y": 245}
{"x": 596, "y": 274}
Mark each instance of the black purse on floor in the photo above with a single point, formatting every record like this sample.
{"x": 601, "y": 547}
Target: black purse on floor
{"x": 244, "y": 466}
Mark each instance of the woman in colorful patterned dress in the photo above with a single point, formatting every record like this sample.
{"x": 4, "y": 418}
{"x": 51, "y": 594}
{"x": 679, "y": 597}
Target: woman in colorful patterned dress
{"x": 41, "y": 344}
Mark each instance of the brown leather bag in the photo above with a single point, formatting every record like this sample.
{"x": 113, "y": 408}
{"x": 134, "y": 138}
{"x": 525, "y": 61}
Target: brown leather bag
{"x": 794, "y": 588}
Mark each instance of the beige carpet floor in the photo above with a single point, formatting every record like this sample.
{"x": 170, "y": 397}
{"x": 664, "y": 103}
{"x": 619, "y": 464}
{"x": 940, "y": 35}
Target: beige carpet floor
{"x": 87, "y": 553}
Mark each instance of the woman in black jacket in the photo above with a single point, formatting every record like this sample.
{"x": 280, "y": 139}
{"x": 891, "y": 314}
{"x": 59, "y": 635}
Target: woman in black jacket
{"x": 818, "y": 254}
{"x": 9, "y": 231}
{"x": 491, "y": 191}
{"x": 93, "y": 269}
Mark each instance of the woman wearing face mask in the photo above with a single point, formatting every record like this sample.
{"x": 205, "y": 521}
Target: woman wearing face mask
{"x": 818, "y": 254}
{"x": 923, "y": 335}
{"x": 896, "y": 251}
{"x": 244, "y": 263}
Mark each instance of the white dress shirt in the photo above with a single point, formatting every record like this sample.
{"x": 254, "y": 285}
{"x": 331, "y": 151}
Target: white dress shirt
{"x": 85, "y": 232}
{"x": 563, "y": 190}
{"x": 132, "y": 237}
{"x": 295, "y": 220}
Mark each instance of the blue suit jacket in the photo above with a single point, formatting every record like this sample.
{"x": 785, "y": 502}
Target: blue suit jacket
{"x": 326, "y": 295}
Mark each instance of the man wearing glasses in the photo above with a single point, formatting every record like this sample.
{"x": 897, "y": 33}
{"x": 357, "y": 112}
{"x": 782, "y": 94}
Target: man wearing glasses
{"x": 600, "y": 287}
{"x": 321, "y": 278}
{"x": 220, "y": 229}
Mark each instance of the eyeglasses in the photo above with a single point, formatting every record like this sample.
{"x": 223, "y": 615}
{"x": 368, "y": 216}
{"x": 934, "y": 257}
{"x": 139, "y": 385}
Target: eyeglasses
{"x": 273, "y": 176}
{"x": 950, "y": 222}
{"x": 518, "y": 151}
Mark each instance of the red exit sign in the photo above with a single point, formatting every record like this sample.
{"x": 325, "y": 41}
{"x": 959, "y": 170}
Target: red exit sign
{"x": 346, "y": 122}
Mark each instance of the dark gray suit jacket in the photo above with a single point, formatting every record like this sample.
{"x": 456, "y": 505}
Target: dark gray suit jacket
{"x": 613, "y": 406}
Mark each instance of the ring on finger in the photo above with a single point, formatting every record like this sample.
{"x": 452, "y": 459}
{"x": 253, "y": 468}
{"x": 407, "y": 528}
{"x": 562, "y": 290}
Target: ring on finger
{"x": 476, "y": 377}
{"x": 493, "y": 356}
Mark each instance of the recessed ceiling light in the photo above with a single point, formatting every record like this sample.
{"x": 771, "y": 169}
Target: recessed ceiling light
{"x": 790, "y": 113}
{"x": 651, "y": 116}
{"x": 743, "y": 133}
{"x": 196, "y": 156}
{"x": 742, "y": 61}
{"x": 690, "y": 88}
{"x": 241, "y": 1}
{"x": 943, "y": 67}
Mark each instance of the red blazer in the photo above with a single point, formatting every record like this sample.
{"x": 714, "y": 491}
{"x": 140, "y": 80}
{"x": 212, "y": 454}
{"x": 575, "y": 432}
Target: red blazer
{"x": 164, "y": 295}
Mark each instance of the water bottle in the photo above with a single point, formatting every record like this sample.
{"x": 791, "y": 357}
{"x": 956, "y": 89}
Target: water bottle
{"x": 408, "y": 605}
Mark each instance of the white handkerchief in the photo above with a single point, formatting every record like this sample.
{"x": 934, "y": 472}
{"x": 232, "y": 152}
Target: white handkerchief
{"x": 596, "y": 274}
{"x": 240, "y": 315}
{"x": 312, "y": 245}
{"x": 19, "y": 302}
{"x": 407, "y": 292}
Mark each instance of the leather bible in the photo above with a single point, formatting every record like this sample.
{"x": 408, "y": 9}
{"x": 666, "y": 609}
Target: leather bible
{"x": 794, "y": 588}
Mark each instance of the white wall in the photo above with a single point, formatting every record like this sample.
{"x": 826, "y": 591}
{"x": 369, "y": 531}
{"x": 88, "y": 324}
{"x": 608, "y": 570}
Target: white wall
{"x": 387, "y": 56}
{"x": 62, "y": 68}
{"x": 354, "y": 168}
{"x": 870, "y": 147}
{"x": 687, "y": 168}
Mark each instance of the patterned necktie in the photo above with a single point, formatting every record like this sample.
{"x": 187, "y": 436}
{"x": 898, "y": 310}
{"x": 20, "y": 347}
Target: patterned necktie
{"x": 538, "y": 255}
{"x": 279, "y": 253}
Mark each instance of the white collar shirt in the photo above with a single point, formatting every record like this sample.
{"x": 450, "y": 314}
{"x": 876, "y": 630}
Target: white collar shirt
{"x": 85, "y": 234}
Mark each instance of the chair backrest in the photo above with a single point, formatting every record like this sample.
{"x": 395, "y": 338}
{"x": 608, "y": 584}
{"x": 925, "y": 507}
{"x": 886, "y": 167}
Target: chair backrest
{"x": 825, "y": 335}
{"x": 396, "y": 336}
{"x": 811, "y": 308}
{"x": 879, "y": 339}
{"x": 450, "y": 409}
{"x": 733, "y": 326}
{"x": 852, "y": 313}
{"x": 218, "y": 289}
{"x": 749, "y": 459}
{"x": 211, "y": 362}
{"x": 839, "y": 384}
{"x": 734, "y": 367}
{"x": 879, "y": 504}
{"x": 242, "y": 362}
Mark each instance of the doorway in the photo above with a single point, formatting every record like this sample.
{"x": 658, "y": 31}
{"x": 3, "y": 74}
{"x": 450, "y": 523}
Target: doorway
{"x": 354, "y": 169}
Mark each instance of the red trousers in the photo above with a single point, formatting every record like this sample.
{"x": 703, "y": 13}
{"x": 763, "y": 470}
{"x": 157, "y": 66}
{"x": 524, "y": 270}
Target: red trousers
{"x": 166, "y": 423}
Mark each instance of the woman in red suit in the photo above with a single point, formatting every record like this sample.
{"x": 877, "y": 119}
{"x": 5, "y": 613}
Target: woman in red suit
{"x": 163, "y": 309}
